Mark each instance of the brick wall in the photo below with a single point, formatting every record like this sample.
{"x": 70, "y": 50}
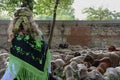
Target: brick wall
{"x": 84, "y": 33}
{"x": 79, "y": 35}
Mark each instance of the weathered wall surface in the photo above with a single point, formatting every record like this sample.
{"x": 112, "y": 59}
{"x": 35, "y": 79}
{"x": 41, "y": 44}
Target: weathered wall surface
{"x": 3, "y": 34}
{"x": 84, "y": 33}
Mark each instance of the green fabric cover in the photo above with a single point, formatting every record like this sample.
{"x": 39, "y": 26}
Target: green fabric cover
{"x": 25, "y": 71}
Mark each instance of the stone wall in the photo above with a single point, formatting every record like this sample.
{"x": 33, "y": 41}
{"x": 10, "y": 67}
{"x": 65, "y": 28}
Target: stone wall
{"x": 85, "y": 33}
{"x": 3, "y": 34}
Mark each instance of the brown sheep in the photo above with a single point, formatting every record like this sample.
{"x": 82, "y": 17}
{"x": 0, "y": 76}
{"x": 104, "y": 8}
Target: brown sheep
{"x": 104, "y": 63}
{"x": 112, "y": 48}
{"x": 112, "y": 55}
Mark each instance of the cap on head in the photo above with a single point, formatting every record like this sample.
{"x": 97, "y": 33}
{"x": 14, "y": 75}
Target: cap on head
{"x": 23, "y": 11}
{"x": 22, "y": 15}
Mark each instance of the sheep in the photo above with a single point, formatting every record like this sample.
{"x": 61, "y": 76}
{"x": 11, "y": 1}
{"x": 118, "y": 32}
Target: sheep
{"x": 54, "y": 57}
{"x": 95, "y": 75}
{"x": 102, "y": 67}
{"x": 91, "y": 68}
{"x": 63, "y": 45}
{"x": 4, "y": 54}
{"x": 118, "y": 69}
{"x": 57, "y": 65}
{"x": 76, "y": 54}
{"x": 3, "y": 51}
{"x": 4, "y": 59}
{"x": 111, "y": 73}
{"x": 112, "y": 55}
{"x": 62, "y": 56}
{"x": 74, "y": 66}
{"x": 59, "y": 62}
{"x": 68, "y": 57}
{"x": 117, "y": 52}
{"x": 104, "y": 63}
{"x": 68, "y": 73}
{"x": 88, "y": 60}
{"x": 112, "y": 48}
{"x": 106, "y": 60}
{"x": 78, "y": 59}
{"x": 82, "y": 71}
{"x": 84, "y": 52}
{"x": 94, "y": 61}
{"x": 115, "y": 59}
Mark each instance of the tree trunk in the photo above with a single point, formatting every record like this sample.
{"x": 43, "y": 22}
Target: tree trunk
{"x": 53, "y": 24}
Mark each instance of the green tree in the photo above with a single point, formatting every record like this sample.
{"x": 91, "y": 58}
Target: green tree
{"x": 66, "y": 14}
{"x": 98, "y": 14}
{"x": 115, "y": 15}
{"x": 62, "y": 15}
{"x": 39, "y": 7}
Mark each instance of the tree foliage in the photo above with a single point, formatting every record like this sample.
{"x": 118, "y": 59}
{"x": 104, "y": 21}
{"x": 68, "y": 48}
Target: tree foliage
{"x": 101, "y": 14}
{"x": 43, "y": 7}
{"x": 66, "y": 15}
{"x": 115, "y": 15}
{"x": 63, "y": 15}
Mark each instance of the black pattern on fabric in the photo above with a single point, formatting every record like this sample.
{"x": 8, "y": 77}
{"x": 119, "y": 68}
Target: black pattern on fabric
{"x": 26, "y": 49}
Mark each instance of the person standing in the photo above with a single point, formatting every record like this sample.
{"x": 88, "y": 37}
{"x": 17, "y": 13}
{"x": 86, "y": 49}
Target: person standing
{"x": 29, "y": 54}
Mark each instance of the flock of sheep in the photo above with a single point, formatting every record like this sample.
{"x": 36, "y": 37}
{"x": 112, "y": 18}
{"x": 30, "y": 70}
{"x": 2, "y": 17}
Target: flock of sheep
{"x": 78, "y": 63}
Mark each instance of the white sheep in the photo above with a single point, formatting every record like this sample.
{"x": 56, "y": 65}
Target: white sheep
{"x": 118, "y": 69}
{"x": 95, "y": 75}
{"x": 74, "y": 66}
{"x": 68, "y": 57}
{"x": 57, "y": 56}
{"x": 111, "y": 73}
{"x": 82, "y": 71}
{"x": 68, "y": 73}
{"x": 78, "y": 59}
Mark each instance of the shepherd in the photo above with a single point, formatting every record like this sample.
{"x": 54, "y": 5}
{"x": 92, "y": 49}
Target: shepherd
{"x": 29, "y": 54}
